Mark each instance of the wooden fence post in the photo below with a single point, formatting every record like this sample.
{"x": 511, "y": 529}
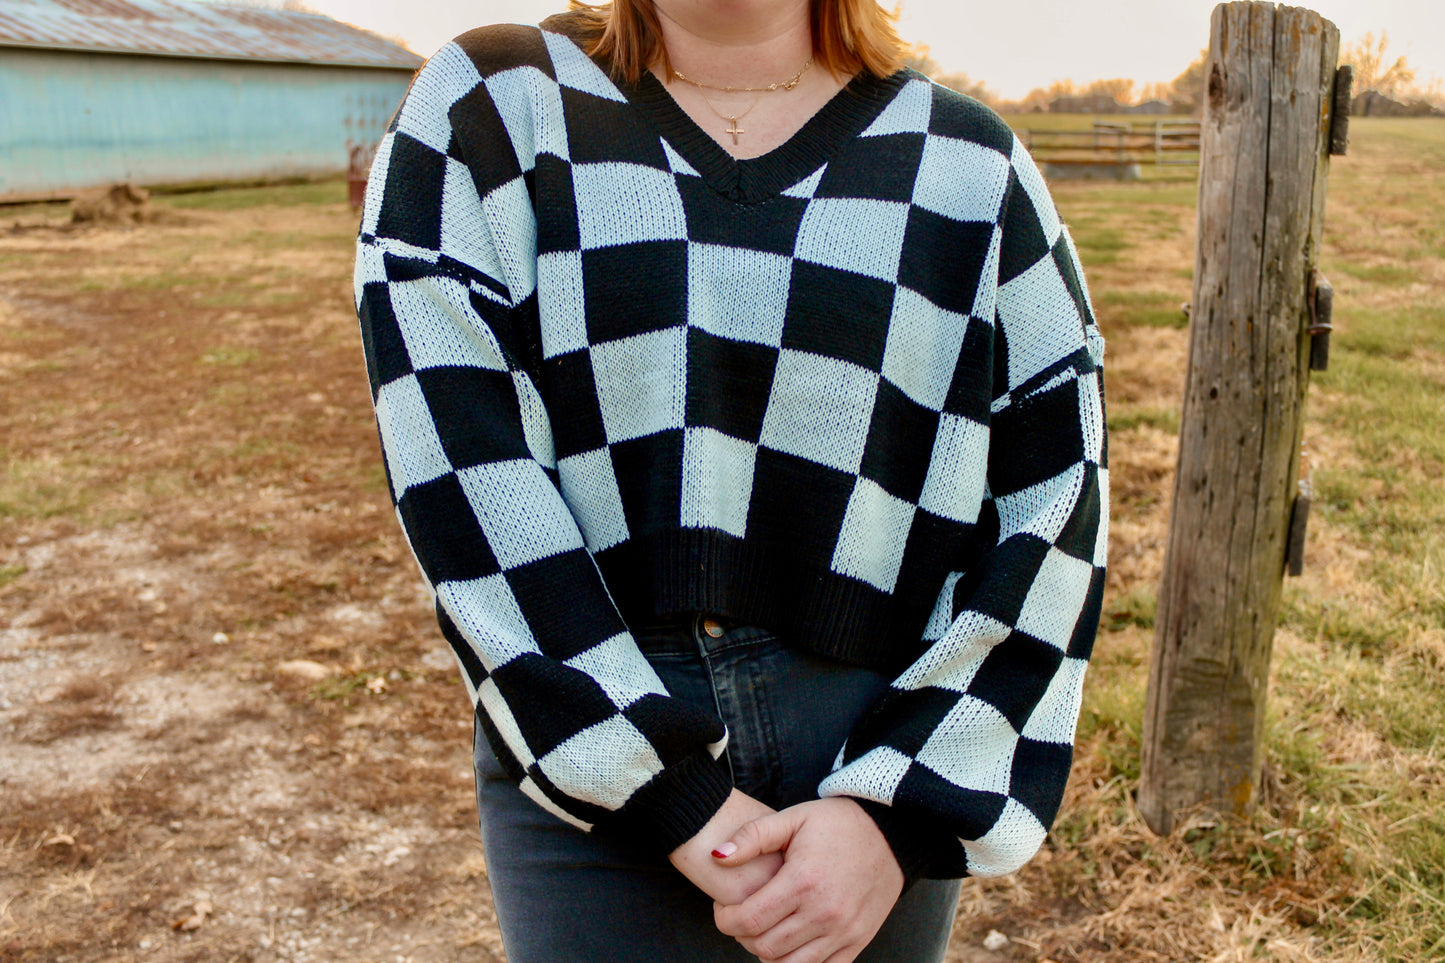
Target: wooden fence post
{"x": 1264, "y": 156}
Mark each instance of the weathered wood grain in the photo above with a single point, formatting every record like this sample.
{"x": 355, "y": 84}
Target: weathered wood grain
{"x": 1264, "y": 160}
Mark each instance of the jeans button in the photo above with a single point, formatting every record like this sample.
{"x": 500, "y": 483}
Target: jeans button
{"x": 713, "y": 628}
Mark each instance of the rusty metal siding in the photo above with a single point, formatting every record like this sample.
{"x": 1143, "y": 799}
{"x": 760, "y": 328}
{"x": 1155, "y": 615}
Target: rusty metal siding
{"x": 175, "y": 28}
{"x": 74, "y": 120}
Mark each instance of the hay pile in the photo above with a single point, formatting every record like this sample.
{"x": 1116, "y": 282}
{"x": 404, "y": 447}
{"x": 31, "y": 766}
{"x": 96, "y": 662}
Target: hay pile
{"x": 117, "y": 204}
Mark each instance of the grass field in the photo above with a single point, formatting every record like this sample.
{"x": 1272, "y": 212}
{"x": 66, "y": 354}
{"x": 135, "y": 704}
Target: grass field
{"x": 230, "y": 732}
{"x": 1346, "y": 857}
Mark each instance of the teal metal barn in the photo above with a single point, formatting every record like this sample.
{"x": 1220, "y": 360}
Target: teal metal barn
{"x": 153, "y": 92}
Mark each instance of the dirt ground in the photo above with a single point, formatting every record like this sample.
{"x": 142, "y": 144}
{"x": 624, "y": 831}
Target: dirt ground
{"x": 229, "y": 730}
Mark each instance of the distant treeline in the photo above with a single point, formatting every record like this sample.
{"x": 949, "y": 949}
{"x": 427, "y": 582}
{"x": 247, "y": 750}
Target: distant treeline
{"x": 1382, "y": 88}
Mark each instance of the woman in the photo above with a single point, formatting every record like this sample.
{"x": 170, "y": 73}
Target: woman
{"x": 741, "y": 400}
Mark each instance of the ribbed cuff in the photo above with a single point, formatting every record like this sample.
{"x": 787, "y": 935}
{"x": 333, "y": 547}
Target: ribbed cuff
{"x": 917, "y": 848}
{"x": 675, "y": 806}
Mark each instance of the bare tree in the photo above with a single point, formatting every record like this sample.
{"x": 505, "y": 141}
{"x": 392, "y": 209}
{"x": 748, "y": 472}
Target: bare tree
{"x": 921, "y": 60}
{"x": 1373, "y": 71}
{"x": 966, "y": 85}
{"x": 1186, "y": 92}
{"x": 1156, "y": 90}
{"x": 1119, "y": 88}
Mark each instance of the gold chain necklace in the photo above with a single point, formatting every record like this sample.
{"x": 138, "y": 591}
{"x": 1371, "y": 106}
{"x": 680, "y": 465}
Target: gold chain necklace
{"x": 788, "y": 84}
{"x": 733, "y": 118}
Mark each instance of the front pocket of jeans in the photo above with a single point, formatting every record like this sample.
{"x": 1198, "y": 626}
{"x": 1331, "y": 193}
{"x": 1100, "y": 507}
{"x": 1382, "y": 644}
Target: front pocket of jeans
{"x": 484, "y": 759}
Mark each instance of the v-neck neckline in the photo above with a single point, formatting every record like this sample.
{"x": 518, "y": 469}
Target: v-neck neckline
{"x": 754, "y": 179}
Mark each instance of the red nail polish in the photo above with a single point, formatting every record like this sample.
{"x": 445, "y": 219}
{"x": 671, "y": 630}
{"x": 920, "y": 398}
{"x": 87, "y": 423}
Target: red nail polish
{"x": 719, "y": 854}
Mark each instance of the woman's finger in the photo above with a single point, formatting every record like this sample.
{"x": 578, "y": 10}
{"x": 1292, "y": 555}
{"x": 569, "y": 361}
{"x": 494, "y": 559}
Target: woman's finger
{"x": 760, "y": 912}
{"x": 770, "y": 834}
{"x": 783, "y": 939}
{"x": 838, "y": 883}
{"x": 821, "y": 950}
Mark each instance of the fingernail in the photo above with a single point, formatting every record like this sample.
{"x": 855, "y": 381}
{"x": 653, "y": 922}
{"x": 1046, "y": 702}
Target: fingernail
{"x": 724, "y": 851}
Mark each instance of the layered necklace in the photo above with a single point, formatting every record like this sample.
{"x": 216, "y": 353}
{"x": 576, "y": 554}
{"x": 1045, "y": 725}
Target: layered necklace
{"x": 733, "y": 117}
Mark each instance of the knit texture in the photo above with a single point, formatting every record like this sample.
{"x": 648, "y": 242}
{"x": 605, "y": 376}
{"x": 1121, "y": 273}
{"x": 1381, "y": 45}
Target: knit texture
{"x": 849, "y": 391}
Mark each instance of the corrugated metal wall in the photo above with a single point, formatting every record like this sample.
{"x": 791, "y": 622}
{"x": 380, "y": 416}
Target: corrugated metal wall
{"x": 72, "y": 120}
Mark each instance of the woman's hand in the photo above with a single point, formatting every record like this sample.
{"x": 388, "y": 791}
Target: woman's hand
{"x": 734, "y": 880}
{"x": 838, "y": 884}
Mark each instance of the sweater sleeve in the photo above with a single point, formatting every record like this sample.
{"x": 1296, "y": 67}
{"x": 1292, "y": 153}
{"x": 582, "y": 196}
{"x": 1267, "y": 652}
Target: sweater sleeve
{"x": 445, "y": 291}
{"x": 964, "y": 759}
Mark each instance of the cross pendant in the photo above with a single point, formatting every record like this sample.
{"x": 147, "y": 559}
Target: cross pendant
{"x": 735, "y": 130}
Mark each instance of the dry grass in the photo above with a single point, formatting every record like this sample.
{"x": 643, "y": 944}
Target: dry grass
{"x": 191, "y": 497}
{"x": 1345, "y": 857}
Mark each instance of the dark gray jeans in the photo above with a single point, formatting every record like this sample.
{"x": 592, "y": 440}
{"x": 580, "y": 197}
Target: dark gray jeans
{"x": 564, "y": 896}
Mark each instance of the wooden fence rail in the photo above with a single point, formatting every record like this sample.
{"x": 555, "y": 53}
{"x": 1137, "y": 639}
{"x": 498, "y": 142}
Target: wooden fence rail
{"x": 1116, "y": 149}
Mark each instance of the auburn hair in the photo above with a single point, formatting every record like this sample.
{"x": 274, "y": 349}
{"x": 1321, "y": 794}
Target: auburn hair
{"x": 848, "y": 36}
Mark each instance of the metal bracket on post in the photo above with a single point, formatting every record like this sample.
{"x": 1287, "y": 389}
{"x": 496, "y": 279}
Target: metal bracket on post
{"x": 1321, "y": 299}
{"x": 1340, "y": 111}
{"x": 1294, "y": 554}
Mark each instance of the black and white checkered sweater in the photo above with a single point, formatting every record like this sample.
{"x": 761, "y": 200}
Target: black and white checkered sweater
{"x": 849, "y": 391}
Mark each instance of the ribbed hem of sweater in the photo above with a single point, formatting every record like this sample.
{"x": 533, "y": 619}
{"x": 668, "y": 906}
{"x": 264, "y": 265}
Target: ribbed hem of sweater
{"x": 674, "y": 807}
{"x": 764, "y": 584}
{"x": 918, "y": 848}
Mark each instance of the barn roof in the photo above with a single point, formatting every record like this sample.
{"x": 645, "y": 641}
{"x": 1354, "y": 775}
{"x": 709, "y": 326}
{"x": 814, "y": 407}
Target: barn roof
{"x": 184, "y": 28}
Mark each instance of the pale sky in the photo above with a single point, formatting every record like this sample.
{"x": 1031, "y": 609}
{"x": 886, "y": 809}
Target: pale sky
{"x": 1011, "y": 45}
